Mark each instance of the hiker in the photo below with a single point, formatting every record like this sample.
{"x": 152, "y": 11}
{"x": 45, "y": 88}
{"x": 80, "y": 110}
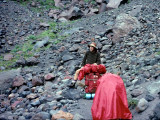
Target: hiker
{"x": 91, "y": 57}
{"x": 110, "y": 100}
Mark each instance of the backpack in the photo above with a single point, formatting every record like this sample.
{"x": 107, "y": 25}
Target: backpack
{"x": 91, "y": 82}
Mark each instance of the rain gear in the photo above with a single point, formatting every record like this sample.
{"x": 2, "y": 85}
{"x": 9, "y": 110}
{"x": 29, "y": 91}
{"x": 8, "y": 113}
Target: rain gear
{"x": 91, "y": 73}
{"x": 110, "y": 101}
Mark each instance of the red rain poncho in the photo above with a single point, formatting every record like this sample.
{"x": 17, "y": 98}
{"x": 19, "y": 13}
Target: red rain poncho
{"x": 110, "y": 101}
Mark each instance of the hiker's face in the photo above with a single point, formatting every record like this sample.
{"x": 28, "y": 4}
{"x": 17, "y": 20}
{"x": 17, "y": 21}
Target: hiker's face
{"x": 91, "y": 48}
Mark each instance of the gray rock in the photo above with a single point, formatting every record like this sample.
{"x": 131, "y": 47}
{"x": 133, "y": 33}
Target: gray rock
{"x": 21, "y": 118}
{"x": 36, "y": 81}
{"x": 136, "y": 92}
{"x": 124, "y": 24}
{"x": 67, "y": 57}
{"x": 78, "y": 117}
{"x": 41, "y": 116}
{"x": 32, "y": 61}
{"x": 105, "y": 48}
{"x": 156, "y": 112}
{"x": 35, "y": 102}
{"x": 6, "y": 78}
{"x": 149, "y": 97}
{"x": 135, "y": 10}
{"x": 142, "y": 105}
{"x": 18, "y": 81}
{"x": 154, "y": 88}
{"x": 74, "y": 48}
{"x": 42, "y": 43}
{"x": 72, "y": 94}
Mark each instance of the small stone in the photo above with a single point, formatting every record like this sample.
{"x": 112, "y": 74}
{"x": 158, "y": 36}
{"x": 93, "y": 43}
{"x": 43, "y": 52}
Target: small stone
{"x": 8, "y": 57}
{"x": 49, "y": 76}
{"x": 142, "y": 105}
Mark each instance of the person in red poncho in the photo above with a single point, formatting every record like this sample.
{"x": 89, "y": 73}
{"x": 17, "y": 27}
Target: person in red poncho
{"x": 91, "y": 57}
{"x": 110, "y": 100}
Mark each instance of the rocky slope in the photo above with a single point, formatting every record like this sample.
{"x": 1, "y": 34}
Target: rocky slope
{"x": 128, "y": 39}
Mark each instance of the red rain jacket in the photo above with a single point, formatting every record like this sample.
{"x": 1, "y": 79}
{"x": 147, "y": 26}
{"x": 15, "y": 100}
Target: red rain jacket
{"x": 110, "y": 101}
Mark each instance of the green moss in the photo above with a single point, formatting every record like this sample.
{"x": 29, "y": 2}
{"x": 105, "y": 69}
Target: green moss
{"x": 32, "y": 37}
{"x": 27, "y": 47}
{"x": 158, "y": 53}
{"x": 132, "y": 102}
{"x": 128, "y": 1}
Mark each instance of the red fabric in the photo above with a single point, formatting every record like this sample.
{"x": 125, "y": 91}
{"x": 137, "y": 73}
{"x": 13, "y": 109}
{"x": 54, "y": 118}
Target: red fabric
{"x": 81, "y": 74}
{"x": 87, "y": 68}
{"x": 91, "y": 82}
{"x": 101, "y": 69}
{"x": 110, "y": 100}
{"x": 94, "y": 68}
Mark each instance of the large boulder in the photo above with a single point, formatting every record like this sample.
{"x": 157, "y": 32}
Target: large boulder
{"x": 113, "y": 3}
{"x": 62, "y": 115}
{"x": 124, "y": 24}
{"x": 6, "y": 78}
{"x": 18, "y": 81}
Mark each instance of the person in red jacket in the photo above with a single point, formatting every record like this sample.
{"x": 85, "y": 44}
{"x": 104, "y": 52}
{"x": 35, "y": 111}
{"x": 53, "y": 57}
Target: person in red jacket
{"x": 91, "y": 57}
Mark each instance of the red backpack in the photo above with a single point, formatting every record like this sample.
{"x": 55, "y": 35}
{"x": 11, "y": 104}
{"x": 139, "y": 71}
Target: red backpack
{"x": 91, "y": 82}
